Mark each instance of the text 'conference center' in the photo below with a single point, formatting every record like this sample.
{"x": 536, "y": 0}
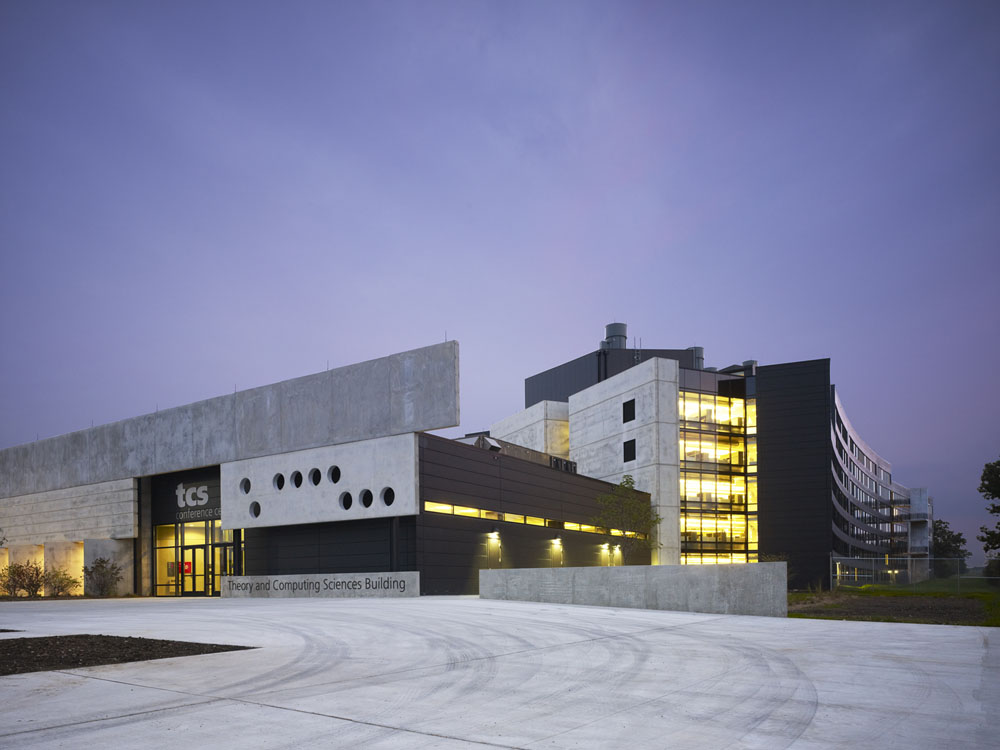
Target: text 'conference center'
{"x": 333, "y": 479}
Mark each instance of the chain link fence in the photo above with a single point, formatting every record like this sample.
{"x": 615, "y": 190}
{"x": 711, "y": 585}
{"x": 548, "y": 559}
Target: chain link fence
{"x": 945, "y": 574}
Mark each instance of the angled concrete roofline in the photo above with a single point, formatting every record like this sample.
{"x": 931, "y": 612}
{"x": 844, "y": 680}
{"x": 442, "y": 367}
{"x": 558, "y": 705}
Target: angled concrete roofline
{"x": 411, "y": 391}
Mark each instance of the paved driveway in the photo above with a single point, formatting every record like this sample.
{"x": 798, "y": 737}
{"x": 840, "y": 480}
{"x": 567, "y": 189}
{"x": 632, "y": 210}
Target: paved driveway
{"x": 457, "y": 672}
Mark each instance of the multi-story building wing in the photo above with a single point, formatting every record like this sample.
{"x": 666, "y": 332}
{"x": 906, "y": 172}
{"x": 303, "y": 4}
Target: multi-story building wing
{"x": 742, "y": 463}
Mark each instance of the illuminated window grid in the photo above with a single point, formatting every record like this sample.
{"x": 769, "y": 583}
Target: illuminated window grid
{"x": 493, "y": 515}
{"x": 718, "y": 558}
{"x": 738, "y": 530}
{"x": 721, "y": 413}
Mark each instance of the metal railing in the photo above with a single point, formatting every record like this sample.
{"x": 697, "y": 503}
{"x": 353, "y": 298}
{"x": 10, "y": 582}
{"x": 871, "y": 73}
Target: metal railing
{"x": 944, "y": 574}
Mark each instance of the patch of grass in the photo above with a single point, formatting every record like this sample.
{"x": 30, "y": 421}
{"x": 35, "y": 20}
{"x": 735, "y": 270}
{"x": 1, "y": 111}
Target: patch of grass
{"x": 927, "y": 604}
{"x": 945, "y": 586}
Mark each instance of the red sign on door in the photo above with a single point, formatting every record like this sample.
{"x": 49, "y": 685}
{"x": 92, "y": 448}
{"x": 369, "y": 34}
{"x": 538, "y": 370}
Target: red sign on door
{"x": 187, "y": 566}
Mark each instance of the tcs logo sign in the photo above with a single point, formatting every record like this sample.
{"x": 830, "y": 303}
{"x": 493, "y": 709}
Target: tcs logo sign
{"x": 191, "y": 497}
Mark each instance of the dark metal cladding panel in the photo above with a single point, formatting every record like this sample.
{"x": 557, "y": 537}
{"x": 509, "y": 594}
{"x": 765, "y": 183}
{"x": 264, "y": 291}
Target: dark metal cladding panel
{"x": 363, "y": 546}
{"x": 794, "y": 479}
{"x": 561, "y": 382}
{"x": 450, "y": 550}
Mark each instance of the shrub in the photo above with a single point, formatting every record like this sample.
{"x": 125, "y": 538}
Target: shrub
{"x": 10, "y": 579}
{"x": 59, "y": 582}
{"x": 32, "y": 578}
{"x": 102, "y": 576}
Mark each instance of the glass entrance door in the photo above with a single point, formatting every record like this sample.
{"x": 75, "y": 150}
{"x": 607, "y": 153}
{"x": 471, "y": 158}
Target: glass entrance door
{"x": 193, "y": 571}
{"x": 192, "y": 558}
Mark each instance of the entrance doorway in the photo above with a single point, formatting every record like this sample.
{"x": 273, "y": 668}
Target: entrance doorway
{"x": 191, "y": 558}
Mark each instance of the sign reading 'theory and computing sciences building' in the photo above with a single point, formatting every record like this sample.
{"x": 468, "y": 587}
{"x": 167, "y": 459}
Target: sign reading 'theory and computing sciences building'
{"x": 324, "y": 585}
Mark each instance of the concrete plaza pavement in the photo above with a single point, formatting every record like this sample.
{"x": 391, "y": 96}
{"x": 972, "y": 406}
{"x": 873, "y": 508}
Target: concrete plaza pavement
{"x": 457, "y": 672}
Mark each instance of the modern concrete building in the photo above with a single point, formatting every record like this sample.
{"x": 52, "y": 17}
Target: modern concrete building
{"x": 331, "y": 473}
{"x": 742, "y": 463}
{"x": 336, "y": 474}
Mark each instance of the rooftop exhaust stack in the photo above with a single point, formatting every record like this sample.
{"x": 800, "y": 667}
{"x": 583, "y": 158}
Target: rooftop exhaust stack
{"x": 699, "y": 356}
{"x": 615, "y": 336}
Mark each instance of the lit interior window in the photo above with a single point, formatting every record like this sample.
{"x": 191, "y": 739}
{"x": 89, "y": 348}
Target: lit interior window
{"x": 492, "y": 515}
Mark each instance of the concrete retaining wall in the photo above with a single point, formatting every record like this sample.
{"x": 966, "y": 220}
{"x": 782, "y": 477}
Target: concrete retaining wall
{"x": 408, "y": 392}
{"x": 754, "y": 589}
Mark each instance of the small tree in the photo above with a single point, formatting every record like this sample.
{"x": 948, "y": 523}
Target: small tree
{"x": 59, "y": 582}
{"x": 989, "y": 488}
{"x": 947, "y": 548}
{"x": 626, "y": 510}
{"x": 102, "y": 576}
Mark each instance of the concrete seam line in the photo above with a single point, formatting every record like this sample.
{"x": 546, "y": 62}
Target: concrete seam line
{"x": 258, "y": 704}
{"x": 120, "y": 716}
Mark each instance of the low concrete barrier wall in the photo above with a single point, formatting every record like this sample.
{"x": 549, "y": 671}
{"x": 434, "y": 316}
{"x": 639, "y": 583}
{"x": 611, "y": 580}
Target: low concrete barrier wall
{"x": 753, "y": 589}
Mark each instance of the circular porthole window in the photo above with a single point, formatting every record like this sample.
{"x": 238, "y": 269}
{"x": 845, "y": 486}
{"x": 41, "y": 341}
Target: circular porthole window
{"x": 366, "y": 498}
{"x": 388, "y": 496}
{"x": 334, "y": 474}
{"x": 346, "y": 500}
{"x": 245, "y": 486}
{"x": 296, "y": 478}
{"x": 254, "y": 509}
{"x": 315, "y": 476}
{"x": 279, "y": 481}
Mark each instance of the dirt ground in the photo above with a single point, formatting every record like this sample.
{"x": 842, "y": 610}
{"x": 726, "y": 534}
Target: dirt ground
{"x": 926, "y": 609}
{"x": 19, "y": 655}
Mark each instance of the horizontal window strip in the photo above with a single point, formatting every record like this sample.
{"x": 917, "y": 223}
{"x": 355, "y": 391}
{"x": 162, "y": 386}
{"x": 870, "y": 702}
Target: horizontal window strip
{"x": 431, "y": 506}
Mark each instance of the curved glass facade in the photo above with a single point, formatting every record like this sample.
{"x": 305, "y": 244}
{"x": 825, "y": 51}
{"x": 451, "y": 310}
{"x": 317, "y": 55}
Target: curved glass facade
{"x": 870, "y": 511}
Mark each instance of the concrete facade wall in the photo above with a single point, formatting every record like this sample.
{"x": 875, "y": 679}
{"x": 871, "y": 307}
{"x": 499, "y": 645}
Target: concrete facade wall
{"x": 597, "y": 435}
{"x": 759, "y": 589}
{"x": 389, "y": 462}
{"x": 407, "y": 392}
{"x": 69, "y": 557}
{"x": 921, "y": 519}
{"x": 542, "y": 427}
{"x": 23, "y": 553}
{"x": 104, "y": 510}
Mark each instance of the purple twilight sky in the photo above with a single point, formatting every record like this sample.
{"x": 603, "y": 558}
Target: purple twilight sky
{"x": 197, "y": 196}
